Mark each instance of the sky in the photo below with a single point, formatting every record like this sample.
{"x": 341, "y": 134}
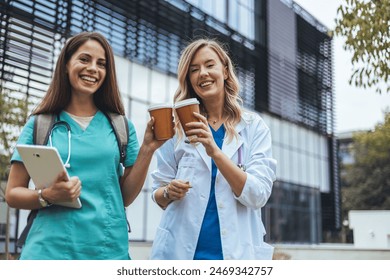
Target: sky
{"x": 356, "y": 108}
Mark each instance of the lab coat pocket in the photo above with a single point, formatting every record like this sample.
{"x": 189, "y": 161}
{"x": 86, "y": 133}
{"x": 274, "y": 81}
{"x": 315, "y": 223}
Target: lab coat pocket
{"x": 264, "y": 252}
{"x": 186, "y": 169}
{"x": 160, "y": 244}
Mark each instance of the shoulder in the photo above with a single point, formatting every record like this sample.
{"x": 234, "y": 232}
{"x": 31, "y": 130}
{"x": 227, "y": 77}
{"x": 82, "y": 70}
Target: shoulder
{"x": 31, "y": 119}
{"x": 29, "y": 125}
{"x": 253, "y": 119}
{"x": 131, "y": 127}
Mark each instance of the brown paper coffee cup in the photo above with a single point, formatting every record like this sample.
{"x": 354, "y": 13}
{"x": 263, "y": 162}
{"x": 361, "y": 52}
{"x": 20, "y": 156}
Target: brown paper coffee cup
{"x": 184, "y": 110}
{"x": 163, "y": 125}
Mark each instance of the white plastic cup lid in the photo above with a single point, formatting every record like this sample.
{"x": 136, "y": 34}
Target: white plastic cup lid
{"x": 186, "y": 102}
{"x": 159, "y": 106}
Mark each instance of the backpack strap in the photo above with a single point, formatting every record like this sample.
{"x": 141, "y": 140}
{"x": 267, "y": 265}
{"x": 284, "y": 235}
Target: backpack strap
{"x": 42, "y": 125}
{"x": 121, "y": 128}
{"x": 30, "y": 219}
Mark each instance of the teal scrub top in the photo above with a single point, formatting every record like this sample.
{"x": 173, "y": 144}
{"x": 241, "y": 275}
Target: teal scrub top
{"x": 98, "y": 230}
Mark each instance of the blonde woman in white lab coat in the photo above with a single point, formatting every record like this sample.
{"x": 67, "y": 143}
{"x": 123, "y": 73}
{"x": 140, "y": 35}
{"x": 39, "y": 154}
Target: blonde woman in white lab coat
{"x": 213, "y": 188}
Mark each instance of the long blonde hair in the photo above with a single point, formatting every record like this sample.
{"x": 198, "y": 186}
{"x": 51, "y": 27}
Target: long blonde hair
{"x": 232, "y": 107}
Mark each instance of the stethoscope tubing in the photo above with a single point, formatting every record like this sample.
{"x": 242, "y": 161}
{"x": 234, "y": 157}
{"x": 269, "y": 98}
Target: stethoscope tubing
{"x": 53, "y": 127}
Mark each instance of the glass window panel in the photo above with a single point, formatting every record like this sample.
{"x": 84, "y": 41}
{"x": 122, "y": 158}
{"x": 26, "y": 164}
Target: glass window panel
{"x": 206, "y": 5}
{"x": 243, "y": 20}
{"x": 220, "y": 10}
{"x": 193, "y": 2}
{"x": 172, "y": 87}
{"x": 233, "y": 15}
{"x": 324, "y": 147}
{"x": 276, "y": 155}
{"x": 139, "y": 81}
{"x": 284, "y": 133}
{"x": 311, "y": 172}
{"x": 122, "y": 72}
{"x": 287, "y": 164}
{"x": 325, "y": 187}
{"x": 281, "y": 173}
{"x": 302, "y": 134}
{"x": 310, "y": 142}
{"x": 276, "y": 132}
{"x": 158, "y": 90}
{"x": 303, "y": 169}
{"x": 139, "y": 115}
{"x": 295, "y": 165}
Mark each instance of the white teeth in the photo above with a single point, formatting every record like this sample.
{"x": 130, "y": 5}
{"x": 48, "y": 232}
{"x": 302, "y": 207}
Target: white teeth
{"x": 205, "y": 84}
{"x": 89, "y": 79}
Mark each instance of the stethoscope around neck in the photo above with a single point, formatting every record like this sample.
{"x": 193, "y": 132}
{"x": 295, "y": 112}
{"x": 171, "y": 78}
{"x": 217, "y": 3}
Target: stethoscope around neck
{"x": 54, "y": 126}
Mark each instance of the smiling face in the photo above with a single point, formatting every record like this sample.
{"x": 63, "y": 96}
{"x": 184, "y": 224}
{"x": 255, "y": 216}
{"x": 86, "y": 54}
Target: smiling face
{"x": 207, "y": 74}
{"x": 87, "y": 68}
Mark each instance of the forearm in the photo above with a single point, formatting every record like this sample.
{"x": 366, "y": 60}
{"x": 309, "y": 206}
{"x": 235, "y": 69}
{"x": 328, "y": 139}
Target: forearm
{"x": 134, "y": 181}
{"x": 160, "y": 199}
{"x": 17, "y": 194}
{"x": 23, "y": 198}
{"x": 232, "y": 173}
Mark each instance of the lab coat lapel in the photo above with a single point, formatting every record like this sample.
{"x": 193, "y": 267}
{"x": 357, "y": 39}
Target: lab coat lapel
{"x": 202, "y": 152}
{"x": 228, "y": 148}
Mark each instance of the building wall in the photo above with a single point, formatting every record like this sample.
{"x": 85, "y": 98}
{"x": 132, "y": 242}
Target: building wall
{"x": 277, "y": 71}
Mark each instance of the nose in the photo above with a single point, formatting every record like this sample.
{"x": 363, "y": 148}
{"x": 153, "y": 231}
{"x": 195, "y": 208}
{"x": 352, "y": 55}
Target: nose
{"x": 92, "y": 67}
{"x": 203, "y": 71}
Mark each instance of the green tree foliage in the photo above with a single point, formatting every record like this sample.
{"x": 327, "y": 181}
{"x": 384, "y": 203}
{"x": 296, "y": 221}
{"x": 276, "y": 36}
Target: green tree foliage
{"x": 12, "y": 117}
{"x": 13, "y": 114}
{"x": 367, "y": 180}
{"x": 366, "y": 28}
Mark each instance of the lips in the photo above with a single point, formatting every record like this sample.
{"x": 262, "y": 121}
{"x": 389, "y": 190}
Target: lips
{"x": 89, "y": 79}
{"x": 205, "y": 84}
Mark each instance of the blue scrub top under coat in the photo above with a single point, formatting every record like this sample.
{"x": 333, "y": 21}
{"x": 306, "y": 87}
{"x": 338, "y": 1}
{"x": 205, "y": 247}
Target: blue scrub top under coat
{"x": 99, "y": 229}
{"x": 209, "y": 243}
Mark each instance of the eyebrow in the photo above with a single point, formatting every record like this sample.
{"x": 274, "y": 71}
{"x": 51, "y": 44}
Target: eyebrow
{"x": 87, "y": 54}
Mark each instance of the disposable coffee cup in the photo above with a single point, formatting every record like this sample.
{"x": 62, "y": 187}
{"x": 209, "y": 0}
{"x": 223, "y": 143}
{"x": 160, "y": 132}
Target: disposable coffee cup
{"x": 185, "y": 109}
{"x": 163, "y": 125}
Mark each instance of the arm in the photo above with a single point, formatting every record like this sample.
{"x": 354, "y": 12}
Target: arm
{"x": 134, "y": 176}
{"x": 164, "y": 177}
{"x": 260, "y": 166}
{"x": 253, "y": 187}
{"x": 18, "y": 195}
{"x": 235, "y": 177}
{"x": 175, "y": 190}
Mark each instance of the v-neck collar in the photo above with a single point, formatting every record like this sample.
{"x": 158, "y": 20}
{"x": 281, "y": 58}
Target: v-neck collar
{"x": 218, "y": 131}
{"x": 75, "y": 127}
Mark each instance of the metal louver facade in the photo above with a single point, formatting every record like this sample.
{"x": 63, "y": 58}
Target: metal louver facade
{"x": 285, "y": 72}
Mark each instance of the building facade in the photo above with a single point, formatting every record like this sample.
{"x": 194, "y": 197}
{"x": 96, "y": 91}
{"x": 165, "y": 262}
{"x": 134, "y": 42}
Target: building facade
{"x": 284, "y": 64}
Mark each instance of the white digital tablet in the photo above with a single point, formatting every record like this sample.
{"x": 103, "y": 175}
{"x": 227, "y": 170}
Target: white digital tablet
{"x": 43, "y": 164}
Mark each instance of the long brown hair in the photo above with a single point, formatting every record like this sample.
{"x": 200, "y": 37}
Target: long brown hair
{"x": 107, "y": 98}
{"x": 232, "y": 104}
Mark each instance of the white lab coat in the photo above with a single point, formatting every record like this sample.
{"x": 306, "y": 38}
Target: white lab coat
{"x": 240, "y": 221}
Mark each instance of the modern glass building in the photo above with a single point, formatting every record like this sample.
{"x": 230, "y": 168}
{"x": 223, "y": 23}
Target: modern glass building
{"x": 284, "y": 62}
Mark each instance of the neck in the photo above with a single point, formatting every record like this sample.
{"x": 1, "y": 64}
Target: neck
{"x": 215, "y": 116}
{"x": 82, "y": 107}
